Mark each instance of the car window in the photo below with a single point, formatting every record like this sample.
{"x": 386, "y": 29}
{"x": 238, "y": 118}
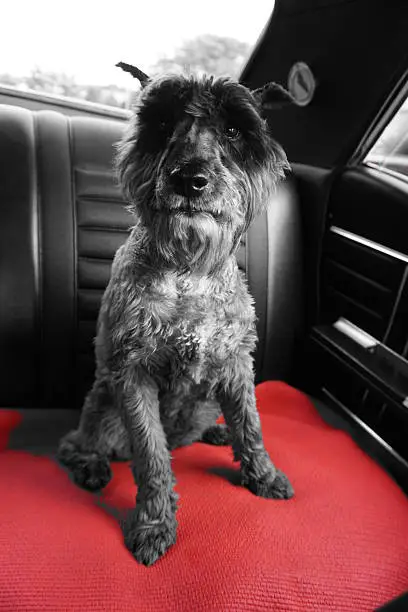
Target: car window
{"x": 70, "y": 49}
{"x": 390, "y": 152}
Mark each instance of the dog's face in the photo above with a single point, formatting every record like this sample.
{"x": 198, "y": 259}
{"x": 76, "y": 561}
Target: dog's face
{"x": 198, "y": 163}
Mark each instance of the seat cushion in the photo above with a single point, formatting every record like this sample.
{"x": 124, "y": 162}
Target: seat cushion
{"x": 340, "y": 544}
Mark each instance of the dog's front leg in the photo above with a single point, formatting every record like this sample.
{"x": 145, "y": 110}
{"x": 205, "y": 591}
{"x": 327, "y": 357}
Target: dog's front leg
{"x": 236, "y": 395}
{"x": 150, "y": 529}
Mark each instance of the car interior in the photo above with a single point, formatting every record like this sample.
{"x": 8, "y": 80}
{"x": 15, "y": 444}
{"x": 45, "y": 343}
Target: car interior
{"x": 327, "y": 265}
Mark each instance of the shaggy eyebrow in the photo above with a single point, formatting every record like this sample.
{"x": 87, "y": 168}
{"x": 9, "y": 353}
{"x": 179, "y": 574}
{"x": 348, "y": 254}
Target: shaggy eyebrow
{"x": 159, "y": 111}
{"x": 246, "y": 117}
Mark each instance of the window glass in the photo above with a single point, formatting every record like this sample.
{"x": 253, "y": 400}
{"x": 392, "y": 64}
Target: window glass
{"x": 71, "y": 48}
{"x": 391, "y": 150}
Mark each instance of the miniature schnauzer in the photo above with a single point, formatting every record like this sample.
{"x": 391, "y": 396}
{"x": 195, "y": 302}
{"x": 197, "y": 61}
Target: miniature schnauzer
{"x": 176, "y": 327}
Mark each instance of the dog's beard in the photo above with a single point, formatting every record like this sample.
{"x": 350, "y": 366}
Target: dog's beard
{"x": 194, "y": 242}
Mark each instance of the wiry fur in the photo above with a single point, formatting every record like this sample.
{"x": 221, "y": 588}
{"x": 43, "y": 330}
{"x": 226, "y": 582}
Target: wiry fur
{"x": 176, "y": 328}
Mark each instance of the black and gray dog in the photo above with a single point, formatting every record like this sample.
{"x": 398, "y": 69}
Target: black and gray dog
{"x": 176, "y": 328}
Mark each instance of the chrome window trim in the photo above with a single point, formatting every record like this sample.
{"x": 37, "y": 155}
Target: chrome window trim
{"x": 384, "y": 170}
{"x": 375, "y": 246}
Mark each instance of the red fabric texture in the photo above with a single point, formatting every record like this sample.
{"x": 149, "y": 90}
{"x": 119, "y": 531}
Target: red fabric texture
{"x": 340, "y": 544}
{"x": 9, "y": 419}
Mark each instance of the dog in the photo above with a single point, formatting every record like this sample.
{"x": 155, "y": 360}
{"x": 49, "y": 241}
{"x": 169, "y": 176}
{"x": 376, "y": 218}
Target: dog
{"x": 176, "y": 327}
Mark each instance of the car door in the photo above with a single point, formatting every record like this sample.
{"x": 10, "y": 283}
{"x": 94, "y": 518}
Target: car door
{"x": 360, "y": 341}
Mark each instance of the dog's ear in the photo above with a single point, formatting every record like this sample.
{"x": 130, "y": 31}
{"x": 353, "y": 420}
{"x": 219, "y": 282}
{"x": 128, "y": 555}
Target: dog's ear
{"x": 135, "y": 72}
{"x": 272, "y": 95}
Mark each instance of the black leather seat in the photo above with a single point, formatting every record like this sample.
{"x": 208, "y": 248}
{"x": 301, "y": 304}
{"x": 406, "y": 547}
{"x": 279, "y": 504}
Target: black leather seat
{"x": 62, "y": 219}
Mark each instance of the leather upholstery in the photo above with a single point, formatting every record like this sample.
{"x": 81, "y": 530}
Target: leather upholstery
{"x": 61, "y": 220}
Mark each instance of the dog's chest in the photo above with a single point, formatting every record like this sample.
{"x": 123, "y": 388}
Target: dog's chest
{"x": 184, "y": 343}
{"x": 186, "y": 326}
{"x": 185, "y": 334}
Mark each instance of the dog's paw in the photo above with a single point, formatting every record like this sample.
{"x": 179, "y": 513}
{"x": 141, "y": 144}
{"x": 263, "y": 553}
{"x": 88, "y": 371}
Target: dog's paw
{"x": 89, "y": 471}
{"x": 93, "y": 474}
{"x": 271, "y": 488}
{"x": 218, "y": 435}
{"x": 148, "y": 541}
{"x": 68, "y": 449}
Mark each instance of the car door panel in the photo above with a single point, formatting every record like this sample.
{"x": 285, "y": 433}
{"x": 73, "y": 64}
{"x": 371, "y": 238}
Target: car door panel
{"x": 363, "y": 280}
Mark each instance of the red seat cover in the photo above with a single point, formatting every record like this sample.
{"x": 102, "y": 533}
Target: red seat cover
{"x": 340, "y": 544}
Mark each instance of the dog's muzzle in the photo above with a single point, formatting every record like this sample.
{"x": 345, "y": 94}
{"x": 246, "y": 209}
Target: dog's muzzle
{"x": 189, "y": 180}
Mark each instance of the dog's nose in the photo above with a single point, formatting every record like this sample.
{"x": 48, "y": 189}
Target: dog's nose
{"x": 188, "y": 182}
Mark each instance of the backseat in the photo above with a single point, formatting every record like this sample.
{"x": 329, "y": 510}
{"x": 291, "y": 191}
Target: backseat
{"x": 62, "y": 218}
{"x": 61, "y": 221}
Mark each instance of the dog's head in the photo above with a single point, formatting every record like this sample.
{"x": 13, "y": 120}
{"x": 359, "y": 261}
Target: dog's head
{"x": 199, "y": 162}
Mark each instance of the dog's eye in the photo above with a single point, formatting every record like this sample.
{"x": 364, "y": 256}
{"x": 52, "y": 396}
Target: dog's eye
{"x": 231, "y": 132}
{"x": 165, "y": 123}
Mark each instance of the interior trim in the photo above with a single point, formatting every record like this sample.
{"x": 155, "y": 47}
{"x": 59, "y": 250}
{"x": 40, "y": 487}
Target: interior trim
{"x": 396, "y": 306}
{"x": 13, "y": 96}
{"x": 369, "y": 243}
{"x": 355, "y": 333}
{"x": 380, "y": 369}
{"x": 368, "y": 429}
{"x": 386, "y": 113}
{"x": 387, "y": 171}
{"x": 36, "y": 223}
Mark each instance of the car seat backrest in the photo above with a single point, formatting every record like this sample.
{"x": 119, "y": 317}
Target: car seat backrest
{"x": 62, "y": 218}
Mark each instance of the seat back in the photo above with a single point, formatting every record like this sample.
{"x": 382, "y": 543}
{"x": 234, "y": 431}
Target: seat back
{"x": 61, "y": 221}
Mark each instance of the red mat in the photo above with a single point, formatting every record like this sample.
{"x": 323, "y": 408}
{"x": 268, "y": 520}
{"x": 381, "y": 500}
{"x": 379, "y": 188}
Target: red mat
{"x": 340, "y": 544}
